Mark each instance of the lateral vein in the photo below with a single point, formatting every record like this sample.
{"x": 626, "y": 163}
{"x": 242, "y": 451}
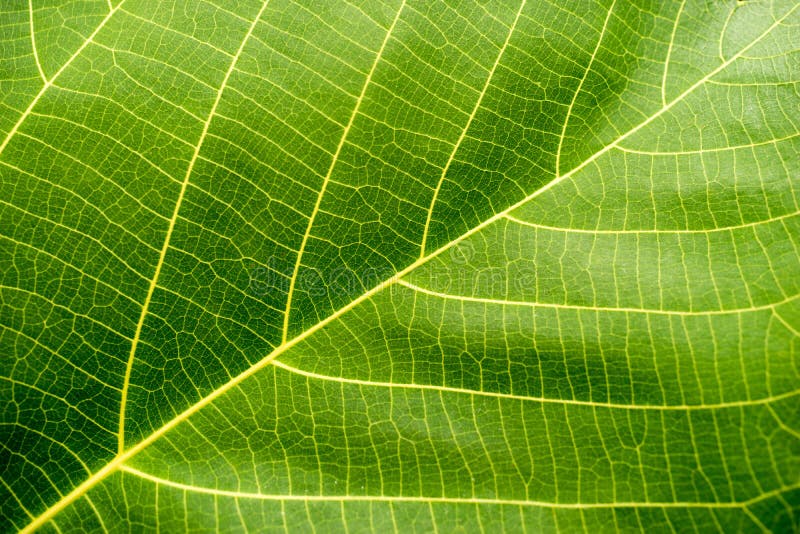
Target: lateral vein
{"x": 171, "y": 227}
{"x": 326, "y": 180}
{"x": 461, "y": 137}
{"x": 445, "y": 500}
{"x": 669, "y": 53}
{"x": 500, "y": 302}
{"x": 33, "y": 45}
{"x": 650, "y": 230}
{"x": 580, "y": 87}
{"x": 543, "y": 400}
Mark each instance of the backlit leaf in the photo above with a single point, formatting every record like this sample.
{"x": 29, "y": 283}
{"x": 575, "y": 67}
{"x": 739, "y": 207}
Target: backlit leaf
{"x": 407, "y": 265}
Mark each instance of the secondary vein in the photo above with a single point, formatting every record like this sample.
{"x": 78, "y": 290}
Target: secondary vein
{"x": 580, "y": 87}
{"x": 33, "y": 44}
{"x": 171, "y": 228}
{"x": 464, "y": 131}
{"x": 345, "y": 132}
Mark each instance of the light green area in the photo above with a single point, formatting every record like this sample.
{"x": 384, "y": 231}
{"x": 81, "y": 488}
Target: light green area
{"x": 399, "y": 265}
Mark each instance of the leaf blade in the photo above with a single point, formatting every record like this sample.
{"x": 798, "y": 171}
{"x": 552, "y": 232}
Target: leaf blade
{"x": 181, "y": 323}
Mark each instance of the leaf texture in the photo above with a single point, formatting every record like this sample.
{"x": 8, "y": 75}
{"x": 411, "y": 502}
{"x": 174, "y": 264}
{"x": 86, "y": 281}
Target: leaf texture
{"x": 400, "y": 264}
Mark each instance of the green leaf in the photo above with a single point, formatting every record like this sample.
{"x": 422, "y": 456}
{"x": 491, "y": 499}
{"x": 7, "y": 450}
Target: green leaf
{"x": 400, "y": 265}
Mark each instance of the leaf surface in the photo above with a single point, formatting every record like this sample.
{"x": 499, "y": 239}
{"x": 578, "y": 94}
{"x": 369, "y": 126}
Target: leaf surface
{"x": 518, "y": 265}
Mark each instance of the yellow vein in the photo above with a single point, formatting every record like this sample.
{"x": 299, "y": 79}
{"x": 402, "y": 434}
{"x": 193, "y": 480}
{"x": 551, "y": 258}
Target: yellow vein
{"x": 580, "y": 87}
{"x": 785, "y": 323}
{"x": 465, "y": 129}
{"x": 527, "y": 398}
{"x": 54, "y": 441}
{"x": 501, "y": 302}
{"x": 49, "y": 82}
{"x": 756, "y": 520}
{"x": 784, "y": 426}
{"x": 669, "y": 53}
{"x": 33, "y": 44}
{"x": 445, "y": 500}
{"x": 171, "y": 30}
{"x": 97, "y": 513}
{"x": 707, "y": 150}
{"x": 724, "y": 30}
{"x": 326, "y": 180}
{"x": 120, "y": 460}
{"x": 10, "y": 491}
{"x": 171, "y": 228}
{"x": 649, "y": 231}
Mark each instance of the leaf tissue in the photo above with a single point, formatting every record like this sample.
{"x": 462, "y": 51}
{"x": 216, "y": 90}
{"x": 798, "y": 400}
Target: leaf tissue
{"x": 400, "y": 265}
